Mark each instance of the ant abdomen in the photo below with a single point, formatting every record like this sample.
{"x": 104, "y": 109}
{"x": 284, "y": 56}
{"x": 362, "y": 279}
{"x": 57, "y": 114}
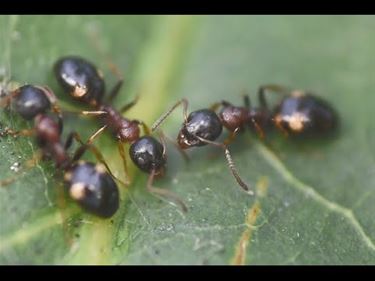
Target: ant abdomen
{"x": 305, "y": 115}
{"x": 93, "y": 188}
{"x": 80, "y": 78}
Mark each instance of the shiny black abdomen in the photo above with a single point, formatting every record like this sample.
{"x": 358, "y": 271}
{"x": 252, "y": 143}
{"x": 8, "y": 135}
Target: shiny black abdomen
{"x": 72, "y": 71}
{"x": 319, "y": 116}
{"x": 101, "y": 196}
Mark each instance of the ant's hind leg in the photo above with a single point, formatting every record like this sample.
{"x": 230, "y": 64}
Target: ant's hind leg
{"x": 93, "y": 34}
{"x": 270, "y": 87}
{"x": 129, "y": 105}
{"x": 121, "y": 150}
{"x": 115, "y": 90}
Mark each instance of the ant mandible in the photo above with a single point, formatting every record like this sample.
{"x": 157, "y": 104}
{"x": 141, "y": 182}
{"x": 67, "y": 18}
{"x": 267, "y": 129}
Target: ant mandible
{"x": 88, "y": 184}
{"x": 84, "y": 82}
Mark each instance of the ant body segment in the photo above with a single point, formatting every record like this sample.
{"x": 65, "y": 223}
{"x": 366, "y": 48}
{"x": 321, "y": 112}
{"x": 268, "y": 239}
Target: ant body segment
{"x": 88, "y": 184}
{"x": 84, "y": 83}
{"x": 300, "y": 113}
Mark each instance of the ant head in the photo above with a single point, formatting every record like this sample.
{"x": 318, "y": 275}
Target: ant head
{"x": 81, "y": 79}
{"x": 93, "y": 188}
{"x": 30, "y": 101}
{"x": 148, "y": 154}
{"x": 203, "y": 123}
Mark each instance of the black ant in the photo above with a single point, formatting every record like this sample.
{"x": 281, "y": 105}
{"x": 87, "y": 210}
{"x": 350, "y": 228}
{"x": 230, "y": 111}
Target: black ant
{"x": 83, "y": 82}
{"x": 88, "y": 184}
{"x": 298, "y": 113}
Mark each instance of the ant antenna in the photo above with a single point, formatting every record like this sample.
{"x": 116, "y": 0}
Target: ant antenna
{"x": 184, "y": 103}
{"x": 230, "y": 161}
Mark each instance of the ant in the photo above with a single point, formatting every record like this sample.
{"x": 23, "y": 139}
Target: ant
{"x": 88, "y": 184}
{"x": 85, "y": 83}
{"x": 298, "y": 113}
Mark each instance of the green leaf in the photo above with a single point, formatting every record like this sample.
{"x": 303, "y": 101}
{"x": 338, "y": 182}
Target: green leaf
{"x": 315, "y": 200}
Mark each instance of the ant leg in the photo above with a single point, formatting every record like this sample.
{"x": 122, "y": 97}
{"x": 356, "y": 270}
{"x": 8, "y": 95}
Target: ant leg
{"x": 246, "y": 100}
{"x": 270, "y": 87}
{"x": 27, "y": 166}
{"x": 5, "y": 101}
{"x": 258, "y": 128}
{"x": 61, "y": 203}
{"x": 129, "y": 105}
{"x": 228, "y": 156}
{"x": 216, "y": 105}
{"x": 55, "y": 107}
{"x": 184, "y": 103}
{"x": 69, "y": 141}
{"x": 277, "y": 120}
{"x": 94, "y": 36}
{"x": 169, "y": 139}
{"x": 124, "y": 163}
{"x": 115, "y": 90}
{"x": 146, "y": 129}
{"x": 74, "y": 135}
{"x": 98, "y": 155}
{"x": 88, "y": 113}
{"x": 168, "y": 195}
{"x": 11, "y": 132}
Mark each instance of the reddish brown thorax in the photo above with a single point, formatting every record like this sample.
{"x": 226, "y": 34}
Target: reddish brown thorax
{"x": 48, "y": 135}
{"x": 233, "y": 117}
{"x": 123, "y": 129}
{"x": 47, "y": 129}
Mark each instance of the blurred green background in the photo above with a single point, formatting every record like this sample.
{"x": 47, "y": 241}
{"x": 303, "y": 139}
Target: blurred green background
{"x": 315, "y": 199}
